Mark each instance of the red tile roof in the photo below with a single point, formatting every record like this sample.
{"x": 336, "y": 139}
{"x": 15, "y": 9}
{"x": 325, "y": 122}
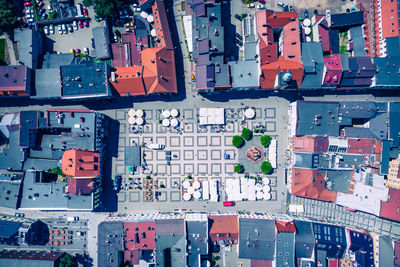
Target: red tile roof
{"x": 287, "y": 227}
{"x": 13, "y": 80}
{"x": 333, "y": 64}
{"x": 270, "y": 71}
{"x": 140, "y": 235}
{"x": 261, "y": 263}
{"x": 126, "y": 53}
{"x": 222, "y": 226}
{"x": 396, "y": 252}
{"x": 390, "y": 19}
{"x": 128, "y": 81}
{"x": 80, "y": 163}
{"x": 391, "y": 208}
{"x": 311, "y": 184}
{"x": 364, "y": 146}
{"x": 291, "y": 38}
{"x": 82, "y": 186}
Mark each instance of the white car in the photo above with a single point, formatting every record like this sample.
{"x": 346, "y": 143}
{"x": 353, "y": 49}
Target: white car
{"x": 60, "y": 31}
{"x": 49, "y": 8}
{"x": 51, "y": 28}
{"x": 75, "y": 24}
{"x": 86, "y": 51}
{"x": 46, "y": 30}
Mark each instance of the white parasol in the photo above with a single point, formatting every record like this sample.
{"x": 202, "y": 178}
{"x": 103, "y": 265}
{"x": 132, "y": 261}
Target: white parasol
{"x": 132, "y": 120}
{"x": 166, "y": 113}
{"x": 139, "y": 121}
{"x": 186, "y": 196}
{"x": 139, "y": 113}
{"x": 150, "y": 18}
{"x": 249, "y": 113}
{"x": 174, "y": 122}
{"x": 144, "y": 14}
{"x": 197, "y": 194}
{"x": 267, "y": 196}
{"x": 165, "y": 122}
{"x": 307, "y": 30}
{"x": 307, "y": 22}
{"x": 260, "y": 195}
{"x": 186, "y": 184}
{"x": 266, "y": 180}
{"x": 174, "y": 113}
{"x": 266, "y": 188}
{"x": 131, "y": 112}
{"x": 190, "y": 190}
{"x": 153, "y": 32}
{"x": 196, "y": 184}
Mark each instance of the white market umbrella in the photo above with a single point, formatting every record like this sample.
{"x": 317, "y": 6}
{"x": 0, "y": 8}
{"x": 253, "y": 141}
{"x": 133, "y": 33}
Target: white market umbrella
{"x": 150, "y": 18}
{"x": 186, "y": 184}
{"x": 132, "y": 120}
{"x": 131, "y": 112}
{"x": 267, "y": 196}
{"x": 249, "y": 113}
{"x": 307, "y": 31}
{"x": 186, "y": 196}
{"x": 174, "y": 113}
{"x": 307, "y": 22}
{"x": 144, "y": 14}
{"x": 139, "y": 113}
{"x": 139, "y": 121}
{"x": 266, "y": 180}
{"x": 174, "y": 122}
{"x": 190, "y": 190}
{"x": 196, "y": 194}
{"x": 165, "y": 122}
{"x": 260, "y": 195}
{"x": 153, "y": 32}
{"x": 196, "y": 184}
{"x": 166, "y": 113}
{"x": 266, "y": 188}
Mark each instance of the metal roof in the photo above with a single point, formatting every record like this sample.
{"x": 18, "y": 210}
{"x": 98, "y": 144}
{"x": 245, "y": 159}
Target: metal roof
{"x": 102, "y": 42}
{"x": 305, "y": 241}
{"x": 56, "y": 60}
{"x": 47, "y": 83}
{"x": 9, "y": 228}
{"x": 133, "y": 156}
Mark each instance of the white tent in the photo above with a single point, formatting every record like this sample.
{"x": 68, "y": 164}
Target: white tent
{"x": 131, "y": 120}
{"x": 206, "y": 191}
{"x": 144, "y": 14}
{"x": 266, "y": 180}
{"x": 211, "y": 116}
{"x": 174, "y": 122}
{"x": 139, "y": 121}
{"x": 266, "y": 188}
{"x": 174, "y": 113}
{"x": 139, "y": 113}
{"x": 165, "y": 122}
{"x": 249, "y": 113}
{"x": 272, "y": 153}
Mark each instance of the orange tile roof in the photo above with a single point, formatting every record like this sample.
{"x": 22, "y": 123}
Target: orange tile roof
{"x": 291, "y": 39}
{"x": 390, "y": 19}
{"x": 80, "y": 163}
{"x": 128, "y": 81}
{"x": 303, "y": 143}
{"x": 282, "y": 226}
{"x": 311, "y": 184}
{"x": 224, "y": 224}
{"x": 270, "y": 71}
{"x": 280, "y": 19}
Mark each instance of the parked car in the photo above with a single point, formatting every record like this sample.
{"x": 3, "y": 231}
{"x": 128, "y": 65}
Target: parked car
{"x": 19, "y": 214}
{"x": 46, "y": 30}
{"x": 97, "y": 18}
{"x": 27, "y": 4}
{"x": 78, "y": 51}
{"x": 75, "y": 25}
{"x": 70, "y": 29}
{"x": 239, "y": 42}
{"x": 86, "y": 23}
{"x": 64, "y": 28}
{"x": 86, "y": 51}
{"x": 353, "y": 9}
{"x": 117, "y": 182}
{"x": 85, "y": 12}
{"x": 229, "y": 203}
{"x": 51, "y": 28}
{"x": 238, "y": 36}
{"x": 306, "y": 14}
{"x": 157, "y": 146}
{"x": 40, "y": 4}
{"x": 115, "y": 38}
{"x": 49, "y": 8}
{"x": 31, "y": 20}
{"x": 60, "y": 31}
{"x": 93, "y": 45}
{"x": 44, "y": 16}
{"x": 80, "y": 24}
{"x": 237, "y": 16}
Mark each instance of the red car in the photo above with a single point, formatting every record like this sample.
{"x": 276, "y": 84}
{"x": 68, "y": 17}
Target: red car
{"x": 229, "y": 203}
{"x": 85, "y": 12}
{"x": 40, "y": 4}
{"x": 86, "y": 23}
{"x": 27, "y": 3}
{"x": 80, "y": 24}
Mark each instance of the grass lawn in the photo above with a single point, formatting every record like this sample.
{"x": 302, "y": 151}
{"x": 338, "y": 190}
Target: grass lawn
{"x": 2, "y": 51}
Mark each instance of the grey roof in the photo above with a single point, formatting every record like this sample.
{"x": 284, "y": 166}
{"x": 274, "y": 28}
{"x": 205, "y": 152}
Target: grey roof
{"x": 256, "y": 239}
{"x": 338, "y": 180}
{"x": 394, "y": 126}
{"x": 47, "y": 83}
{"x": 28, "y": 122}
{"x": 245, "y": 74}
{"x": 108, "y": 252}
{"x": 386, "y": 252}
{"x": 285, "y": 249}
{"x": 313, "y": 62}
{"x": 9, "y": 194}
{"x": 31, "y": 258}
{"x": 170, "y": 239}
{"x": 306, "y": 160}
{"x": 347, "y": 19}
{"x": 330, "y": 238}
{"x": 50, "y": 196}
{"x": 12, "y": 157}
{"x": 197, "y": 241}
{"x": 356, "y": 35}
{"x": 132, "y": 156}
{"x": 85, "y": 80}
{"x": 353, "y": 109}
{"x": 250, "y": 51}
{"x": 56, "y": 60}
{"x": 387, "y": 69}
{"x": 305, "y": 241}
{"x": 249, "y": 29}
{"x": 40, "y": 164}
{"x": 101, "y": 42}
{"x": 29, "y": 47}
{"x": 9, "y": 228}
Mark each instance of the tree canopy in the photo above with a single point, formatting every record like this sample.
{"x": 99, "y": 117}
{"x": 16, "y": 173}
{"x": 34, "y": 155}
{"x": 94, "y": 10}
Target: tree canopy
{"x": 265, "y": 140}
{"x": 105, "y": 8}
{"x": 247, "y": 134}
{"x": 266, "y": 167}
{"x": 8, "y": 19}
{"x": 67, "y": 260}
{"x": 237, "y": 141}
{"x": 239, "y": 168}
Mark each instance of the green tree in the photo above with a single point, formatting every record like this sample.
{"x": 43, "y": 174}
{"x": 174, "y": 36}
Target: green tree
{"x": 67, "y": 260}
{"x": 265, "y": 140}
{"x": 105, "y": 8}
{"x": 239, "y": 168}
{"x": 8, "y": 19}
{"x": 87, "y": 3}
{"x": 237, "y": 141}
{"x": 247, "y": 134}
{"x": 266, "y": 167}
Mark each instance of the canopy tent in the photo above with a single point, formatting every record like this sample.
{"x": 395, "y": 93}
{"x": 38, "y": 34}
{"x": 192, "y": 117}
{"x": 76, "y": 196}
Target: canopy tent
{"x": 211, "y": 116}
